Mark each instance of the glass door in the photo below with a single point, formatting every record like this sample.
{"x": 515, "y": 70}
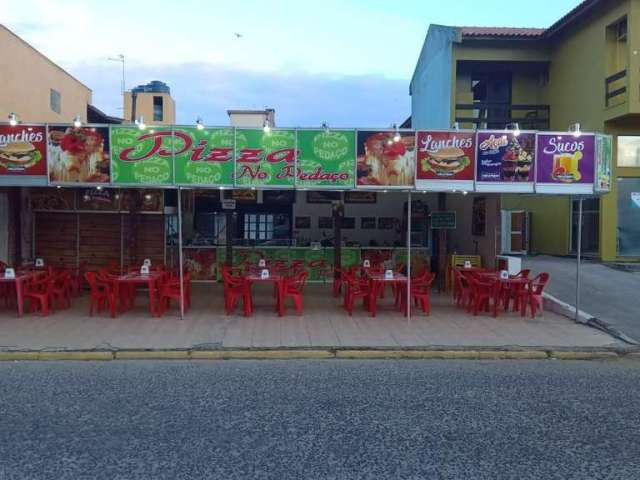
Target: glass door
{"x": 590, "y": 225}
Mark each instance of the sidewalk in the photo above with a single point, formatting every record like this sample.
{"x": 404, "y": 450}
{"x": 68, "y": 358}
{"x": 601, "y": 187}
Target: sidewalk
{"x": 612, "y": 296}
{"x": 325, "y": 324}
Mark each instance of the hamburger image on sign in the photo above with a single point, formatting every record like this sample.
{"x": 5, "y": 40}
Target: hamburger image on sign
{"x": 446, "y": 155}
{"x": 19, "y": 155}
{"x": 446, "y": 162}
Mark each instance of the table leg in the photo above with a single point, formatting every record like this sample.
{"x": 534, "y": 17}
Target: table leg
{"x": 373, "y": 298}
{"x": 152, "y": 297}
{"x": 19, "y": 297}
{"x": 280, "y": 300}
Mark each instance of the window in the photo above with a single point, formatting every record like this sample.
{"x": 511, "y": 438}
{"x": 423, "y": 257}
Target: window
{"x": 628, "y": 151}
{"x": 258, "y": 226}
{"x": 55, "y": 100}
{"x": 157, "y": 109}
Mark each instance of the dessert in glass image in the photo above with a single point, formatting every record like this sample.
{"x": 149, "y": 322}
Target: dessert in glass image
{"x": 516, "y": 162}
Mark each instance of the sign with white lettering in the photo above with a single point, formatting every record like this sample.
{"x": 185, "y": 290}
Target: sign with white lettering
{"x": 23, "y": 151}
{"x": 565, "y": 163}
{"x": 505, "y": 161}
{"x": 446, "y": 160}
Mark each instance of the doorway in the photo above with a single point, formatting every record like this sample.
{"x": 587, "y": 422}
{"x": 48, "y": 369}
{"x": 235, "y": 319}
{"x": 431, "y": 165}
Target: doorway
{"x": 515, "y": 232}
{"x": 590, "y": 225}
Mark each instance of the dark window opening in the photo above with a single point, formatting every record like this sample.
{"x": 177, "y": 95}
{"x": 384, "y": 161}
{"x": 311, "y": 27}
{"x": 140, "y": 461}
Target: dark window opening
{"x": 157, "y": 109}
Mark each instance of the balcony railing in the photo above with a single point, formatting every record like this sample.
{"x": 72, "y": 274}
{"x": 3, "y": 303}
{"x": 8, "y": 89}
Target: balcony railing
{"x": 615, "y": 88}
{"x": 497, "y": 115}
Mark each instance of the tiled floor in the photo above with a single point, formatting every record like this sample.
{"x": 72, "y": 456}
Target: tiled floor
{"x": 324, "y": 324}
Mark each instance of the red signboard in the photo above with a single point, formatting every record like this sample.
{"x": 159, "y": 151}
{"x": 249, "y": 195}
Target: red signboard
{"x": 23, "y": 150}
{"x": 445, "y": 160}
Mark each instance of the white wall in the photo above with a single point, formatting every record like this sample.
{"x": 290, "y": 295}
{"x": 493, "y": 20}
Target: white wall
{"x": 389, "y": 204}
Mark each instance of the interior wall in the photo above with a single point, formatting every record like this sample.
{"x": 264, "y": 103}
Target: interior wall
{"x": 461, "y": 241}
{"x": 4, "y": 227}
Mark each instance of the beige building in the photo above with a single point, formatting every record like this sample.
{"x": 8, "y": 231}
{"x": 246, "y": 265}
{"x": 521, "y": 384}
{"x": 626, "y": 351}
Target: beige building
{"x": 252, "y": 118}
{"x": 35, "y": 88}
{"x": 152, "y": 101}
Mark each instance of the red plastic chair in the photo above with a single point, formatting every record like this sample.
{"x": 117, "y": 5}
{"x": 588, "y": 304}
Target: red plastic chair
{"x": 293, "y": 288}
{"x": 533, "y": 294}
{"x": 421, "y": 291}
{"x": 463, "y": 293}
{"x": 61, "y": 290}
{"x": 236, "y": 288}
{"x": 170, "y": 290}
{"x": 38, "y": 292}
{"x": 101, "y": 294}
{"x": 484, "y": 296}
{"x": 337, "y": 281}
{"x": 356, "y": 288}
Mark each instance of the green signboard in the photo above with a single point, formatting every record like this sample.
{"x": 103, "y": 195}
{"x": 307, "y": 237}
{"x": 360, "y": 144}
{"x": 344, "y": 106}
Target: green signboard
{"x": 204, "y": 157}
{"x": 265, "y": 159}
{"x": 326, "y": 158}
{"x": 443, "y": 220}
{"x": 142, "y": 157}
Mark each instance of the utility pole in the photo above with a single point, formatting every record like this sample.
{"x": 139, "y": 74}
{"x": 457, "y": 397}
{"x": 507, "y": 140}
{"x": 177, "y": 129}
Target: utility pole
{"x": 120, "y": 58}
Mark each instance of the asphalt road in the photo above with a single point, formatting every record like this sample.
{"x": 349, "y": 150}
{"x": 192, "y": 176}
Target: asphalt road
{"x": 326, "y": 419}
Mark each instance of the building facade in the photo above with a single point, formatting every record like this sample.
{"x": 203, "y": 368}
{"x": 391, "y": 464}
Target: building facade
{"x": 152, "y": 102}
{"x": 584, "y": 69}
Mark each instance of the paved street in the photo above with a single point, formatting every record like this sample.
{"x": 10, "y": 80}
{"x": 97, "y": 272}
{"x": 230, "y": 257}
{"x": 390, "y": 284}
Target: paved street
{"x": 608, "y": 294}
{"x": 320, "y": 419}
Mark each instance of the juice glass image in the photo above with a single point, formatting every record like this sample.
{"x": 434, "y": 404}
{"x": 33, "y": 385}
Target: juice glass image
{"x": 565, "y": 167}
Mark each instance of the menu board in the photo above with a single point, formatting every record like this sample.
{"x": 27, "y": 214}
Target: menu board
{"x": 604, "y": 145}
{"x": 384, "y": 160}
{"x": 265, "y": 159}
{"x": 204, "y": 157}
{"x": 326, "y": 158}
{"x": 445, "y": 160}
{"x": 78, "y": 155}
{"x": 142, "y": 157}
{"x": 23, "y": 155}
{"x": 505, "y": 161}
{"x": 565, "y": 163}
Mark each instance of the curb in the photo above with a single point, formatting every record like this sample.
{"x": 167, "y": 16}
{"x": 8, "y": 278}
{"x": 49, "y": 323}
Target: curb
{"x": 559, "y": 307}
{"x": 319, "y": 354}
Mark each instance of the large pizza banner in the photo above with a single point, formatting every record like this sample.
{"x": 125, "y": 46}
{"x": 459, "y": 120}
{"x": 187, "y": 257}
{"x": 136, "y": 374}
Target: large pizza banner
{"x": 142, "y": 157}
{"x": 204, "y": 156}
{"x": 265, "y": 159}
{"x": 326, "y": 158}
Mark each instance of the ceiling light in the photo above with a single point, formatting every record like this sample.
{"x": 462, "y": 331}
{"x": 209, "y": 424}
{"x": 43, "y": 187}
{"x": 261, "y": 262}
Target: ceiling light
{"x": 266, "y": 128}
{"x": 140, "y": 122}
{"x": 13, "y": 119}
{"x": 77, "y": 122}
{"x": 575, "y": 130}
{"x": 199, "y": 124}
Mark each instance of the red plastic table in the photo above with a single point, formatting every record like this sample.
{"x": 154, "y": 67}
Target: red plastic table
{"x": 277, "y": 280}
{"x": 19, "y": 284}
{"x": 378, "y": 280}
{"x": 136, "y": 278}
{"x": 510, "y": 284}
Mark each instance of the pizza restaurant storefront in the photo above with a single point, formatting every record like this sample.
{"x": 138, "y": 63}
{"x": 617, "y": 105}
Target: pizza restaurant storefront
{"x": 200, "y": 198}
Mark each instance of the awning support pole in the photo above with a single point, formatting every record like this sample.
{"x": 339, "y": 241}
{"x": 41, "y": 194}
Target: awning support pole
{"x": 578, "y": 259}
{"x": 409, "y": 259}
{"x": 180, "y": 254}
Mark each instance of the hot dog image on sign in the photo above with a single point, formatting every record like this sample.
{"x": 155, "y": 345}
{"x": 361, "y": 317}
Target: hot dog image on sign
{"x": 445, "y": 160}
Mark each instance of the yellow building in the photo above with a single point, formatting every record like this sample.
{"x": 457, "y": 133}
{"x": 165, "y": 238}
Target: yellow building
{"x": 585, "y": 69}
{"x": 35, "y": 88}
{"x": 152, "y": 102}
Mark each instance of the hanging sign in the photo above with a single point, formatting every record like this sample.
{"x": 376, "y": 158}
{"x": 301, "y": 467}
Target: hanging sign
{"x": 265, "y": 159}
{"x": 443, "y": 220}
{"x": 326, "y": 158}
{"x": 386, "y": 159}
{"x": 78, "y": 155}
{"x": 143, "y": 157}
{"x": 604, "y": 144}
{"x": 505, "y": 161}
{"x": 23, "y": 155}
{"x": 565, "y": 163}
{"x": 445, "y": 160}
{"x": 204, "y": 157}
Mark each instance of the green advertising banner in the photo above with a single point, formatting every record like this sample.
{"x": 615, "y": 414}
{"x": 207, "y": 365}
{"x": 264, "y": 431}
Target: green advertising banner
{"x": 265, "y": 159}
{"x": 326, "y": 158}
{"x": 142, "y": 157}
{"x": 204, "y": 157}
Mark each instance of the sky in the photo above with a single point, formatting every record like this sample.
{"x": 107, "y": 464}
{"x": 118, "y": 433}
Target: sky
{"x": 347, "y": 63}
